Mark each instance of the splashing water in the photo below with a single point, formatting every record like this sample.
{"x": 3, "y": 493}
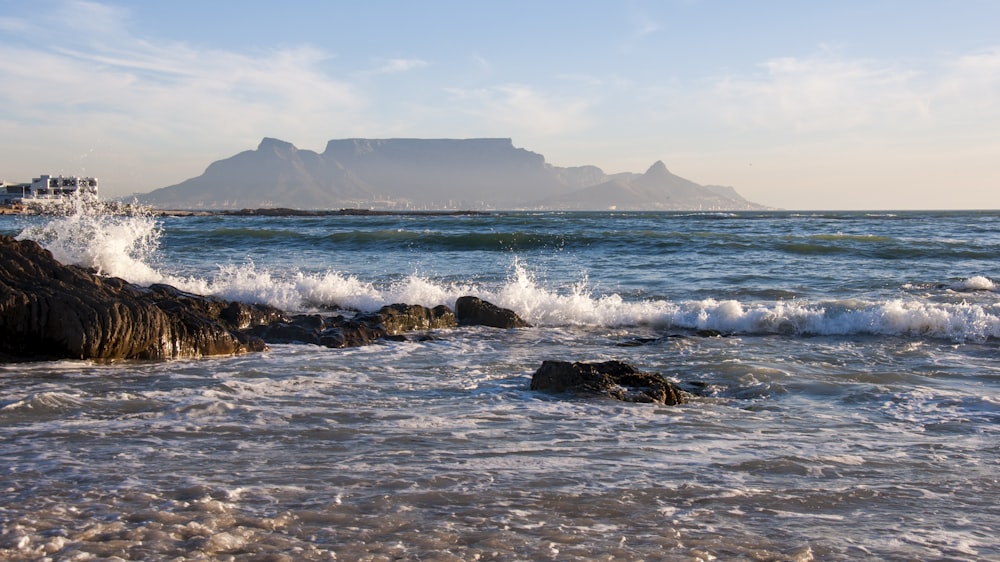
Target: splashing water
{"x": 113, "y": 241}
{"x": 976, "y": 283}
{"x": 126, "y": 243}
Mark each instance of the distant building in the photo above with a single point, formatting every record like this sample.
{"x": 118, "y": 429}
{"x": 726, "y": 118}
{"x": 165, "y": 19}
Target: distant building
{"x": 46, "y": 188}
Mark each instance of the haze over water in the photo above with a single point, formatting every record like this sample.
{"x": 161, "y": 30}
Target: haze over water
{"x": 850, "y": 409}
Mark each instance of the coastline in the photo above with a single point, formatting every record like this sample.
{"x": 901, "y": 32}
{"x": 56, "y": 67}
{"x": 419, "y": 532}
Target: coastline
{"x": 288, "y": 212}
{"x": 258, "y": 212}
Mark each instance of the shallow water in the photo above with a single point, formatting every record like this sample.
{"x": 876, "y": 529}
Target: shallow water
{"x": 850, "y": 412}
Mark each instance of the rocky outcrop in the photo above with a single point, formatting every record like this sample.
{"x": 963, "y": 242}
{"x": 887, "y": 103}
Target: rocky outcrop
{"x": 52, "y": 311}
{"x": 49, "y": 310}
{"x": 473, "y": 311}
{"x": 611, "y": 378}
{"x": 389, "y": 322}
{"x": 398, "y": 318}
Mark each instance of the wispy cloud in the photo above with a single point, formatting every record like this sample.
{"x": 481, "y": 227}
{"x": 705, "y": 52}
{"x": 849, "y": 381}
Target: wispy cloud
{"x": 12, "y": 24}
{"x": 820, "y": 93}
{"x": 123, "y": 91}
{"x": 482, "y": 63}
{"x": 101, "y": 72}
{"x": 641, "y": 25}
{"x": 972, "y": 82}
{"x": 401, "y": 65}
{"x": 828, "y": 93}
{"x": 521, "y": 109}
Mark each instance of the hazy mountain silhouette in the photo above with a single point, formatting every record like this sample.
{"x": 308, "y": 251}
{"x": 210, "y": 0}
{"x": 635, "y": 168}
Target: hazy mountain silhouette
{"x": 429, "y": 174}
{"x": 657, "y": 189}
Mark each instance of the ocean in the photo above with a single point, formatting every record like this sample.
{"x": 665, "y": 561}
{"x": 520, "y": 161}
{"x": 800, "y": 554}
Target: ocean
{"x": 849, "y": 407}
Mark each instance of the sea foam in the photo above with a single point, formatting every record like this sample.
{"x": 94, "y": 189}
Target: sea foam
{"x": 116, "y": 244}
{"x": 126, "y": 245}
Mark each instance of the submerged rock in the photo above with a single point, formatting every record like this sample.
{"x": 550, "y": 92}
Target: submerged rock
{"x": 611, "y": 378}
{"x": 387, "y": 323}
{"x": 390, "y": 322}
{"x": 53, "y": 311}
{"x": 399, "y": 318}
{"x": 473, "y": 311}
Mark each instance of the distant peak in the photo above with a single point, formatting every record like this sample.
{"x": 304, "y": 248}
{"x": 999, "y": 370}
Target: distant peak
{"x": 657, "y": 169}
{"x": 269, "y": 142}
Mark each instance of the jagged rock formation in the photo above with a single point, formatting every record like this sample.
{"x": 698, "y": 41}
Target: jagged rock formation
{"x": 388, "y": 323}
{"x": 53, "y": 311}
{"x": 610, "y": 378}
{"x": 429, "y": 174}
{"x": 473, "y": 311}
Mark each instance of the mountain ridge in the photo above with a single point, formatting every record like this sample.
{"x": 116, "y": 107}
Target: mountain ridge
{"x": 402, "y": 173}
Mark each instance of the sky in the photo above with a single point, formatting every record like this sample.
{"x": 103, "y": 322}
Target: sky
{"x": 854, "y": 104}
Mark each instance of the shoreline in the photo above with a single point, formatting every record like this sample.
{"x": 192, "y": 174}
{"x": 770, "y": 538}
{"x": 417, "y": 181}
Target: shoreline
{"x": 288, "y": 212}
{"x": 258, "y": 212}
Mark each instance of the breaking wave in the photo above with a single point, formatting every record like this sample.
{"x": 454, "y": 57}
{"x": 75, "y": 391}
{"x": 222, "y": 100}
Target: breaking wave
{"x": 126, "y": 245}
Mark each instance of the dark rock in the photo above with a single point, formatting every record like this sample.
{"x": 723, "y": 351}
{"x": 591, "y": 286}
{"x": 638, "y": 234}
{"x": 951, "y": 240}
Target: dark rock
{"x": 636, "y": 342}
{"x": 233, "y": 315}
{"x": 51, "y": 310}
{"x": 388, "y": 323}
{"x": 352, "y": 333}
{"x": 473, "y": 311}
{"x": 286, "y": 332}
{"x": 399, "y": 318}
{"x": 612, "y": 378}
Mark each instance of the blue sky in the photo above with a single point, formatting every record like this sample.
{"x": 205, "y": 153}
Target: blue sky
{"x": 875, "y": 104}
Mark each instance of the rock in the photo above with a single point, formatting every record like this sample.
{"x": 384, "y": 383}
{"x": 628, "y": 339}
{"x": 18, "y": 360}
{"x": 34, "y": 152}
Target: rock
{"x": 399, "y": 318}
{"x": 287, "y": 331}
{"x": 388, "y": 323}
{"x": 612, "y": 378}
{"x": 53, "y": 311}
{"x": 233, "y": 315}
{"x": 473, "y": 311}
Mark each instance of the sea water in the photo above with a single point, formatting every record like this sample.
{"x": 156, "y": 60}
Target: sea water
{"x": 849, "y": 408}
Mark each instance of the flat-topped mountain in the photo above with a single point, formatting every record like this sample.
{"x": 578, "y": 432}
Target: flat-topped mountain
{"x": 429, "y": 174}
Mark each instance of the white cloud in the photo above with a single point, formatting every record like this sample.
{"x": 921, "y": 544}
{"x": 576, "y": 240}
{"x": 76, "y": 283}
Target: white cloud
{"x": 971, "y": 85}
{"x": 521, "y": 109}
{"x": 12, "y": 24}
{"x": 482, "y": 63}
{"x": 816, "y": 94}
{"x": 831, "y": 94}
{"x": 99, "y": 19}
{"x": 401, "y": 65}
{"x": 641, "y": 24}
{"x": 103, "y": 85}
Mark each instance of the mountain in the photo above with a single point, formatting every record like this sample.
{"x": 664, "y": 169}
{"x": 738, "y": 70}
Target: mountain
{"x": 429, "y": 174}
{"x": 655, "y": 190}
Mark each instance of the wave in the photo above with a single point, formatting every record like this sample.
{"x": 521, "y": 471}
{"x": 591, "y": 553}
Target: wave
{"x": 116, "y": 244}
{"x": 475, "y": 241}
{"x": 976, "y": 283}
{"x": 640, "y": 237}
{"x": 251, "y": 233}
{"x": 126, "y": 246}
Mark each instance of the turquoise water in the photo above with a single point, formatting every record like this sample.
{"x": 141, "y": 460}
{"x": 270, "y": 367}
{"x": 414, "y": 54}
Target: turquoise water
{"x": 851, "y": 408}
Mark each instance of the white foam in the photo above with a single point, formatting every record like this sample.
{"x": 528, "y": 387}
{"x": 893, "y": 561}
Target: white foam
{"x": 115, "y": 244}
{"x": 125, "y": 245}
{"x": 975, "y": 283}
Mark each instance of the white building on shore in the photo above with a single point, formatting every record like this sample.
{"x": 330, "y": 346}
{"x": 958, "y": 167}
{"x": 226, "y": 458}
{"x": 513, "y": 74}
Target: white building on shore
{"x": 47, "y": 188}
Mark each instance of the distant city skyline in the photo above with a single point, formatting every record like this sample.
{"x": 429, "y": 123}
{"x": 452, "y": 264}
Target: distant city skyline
{"x": 880, "y": 104}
